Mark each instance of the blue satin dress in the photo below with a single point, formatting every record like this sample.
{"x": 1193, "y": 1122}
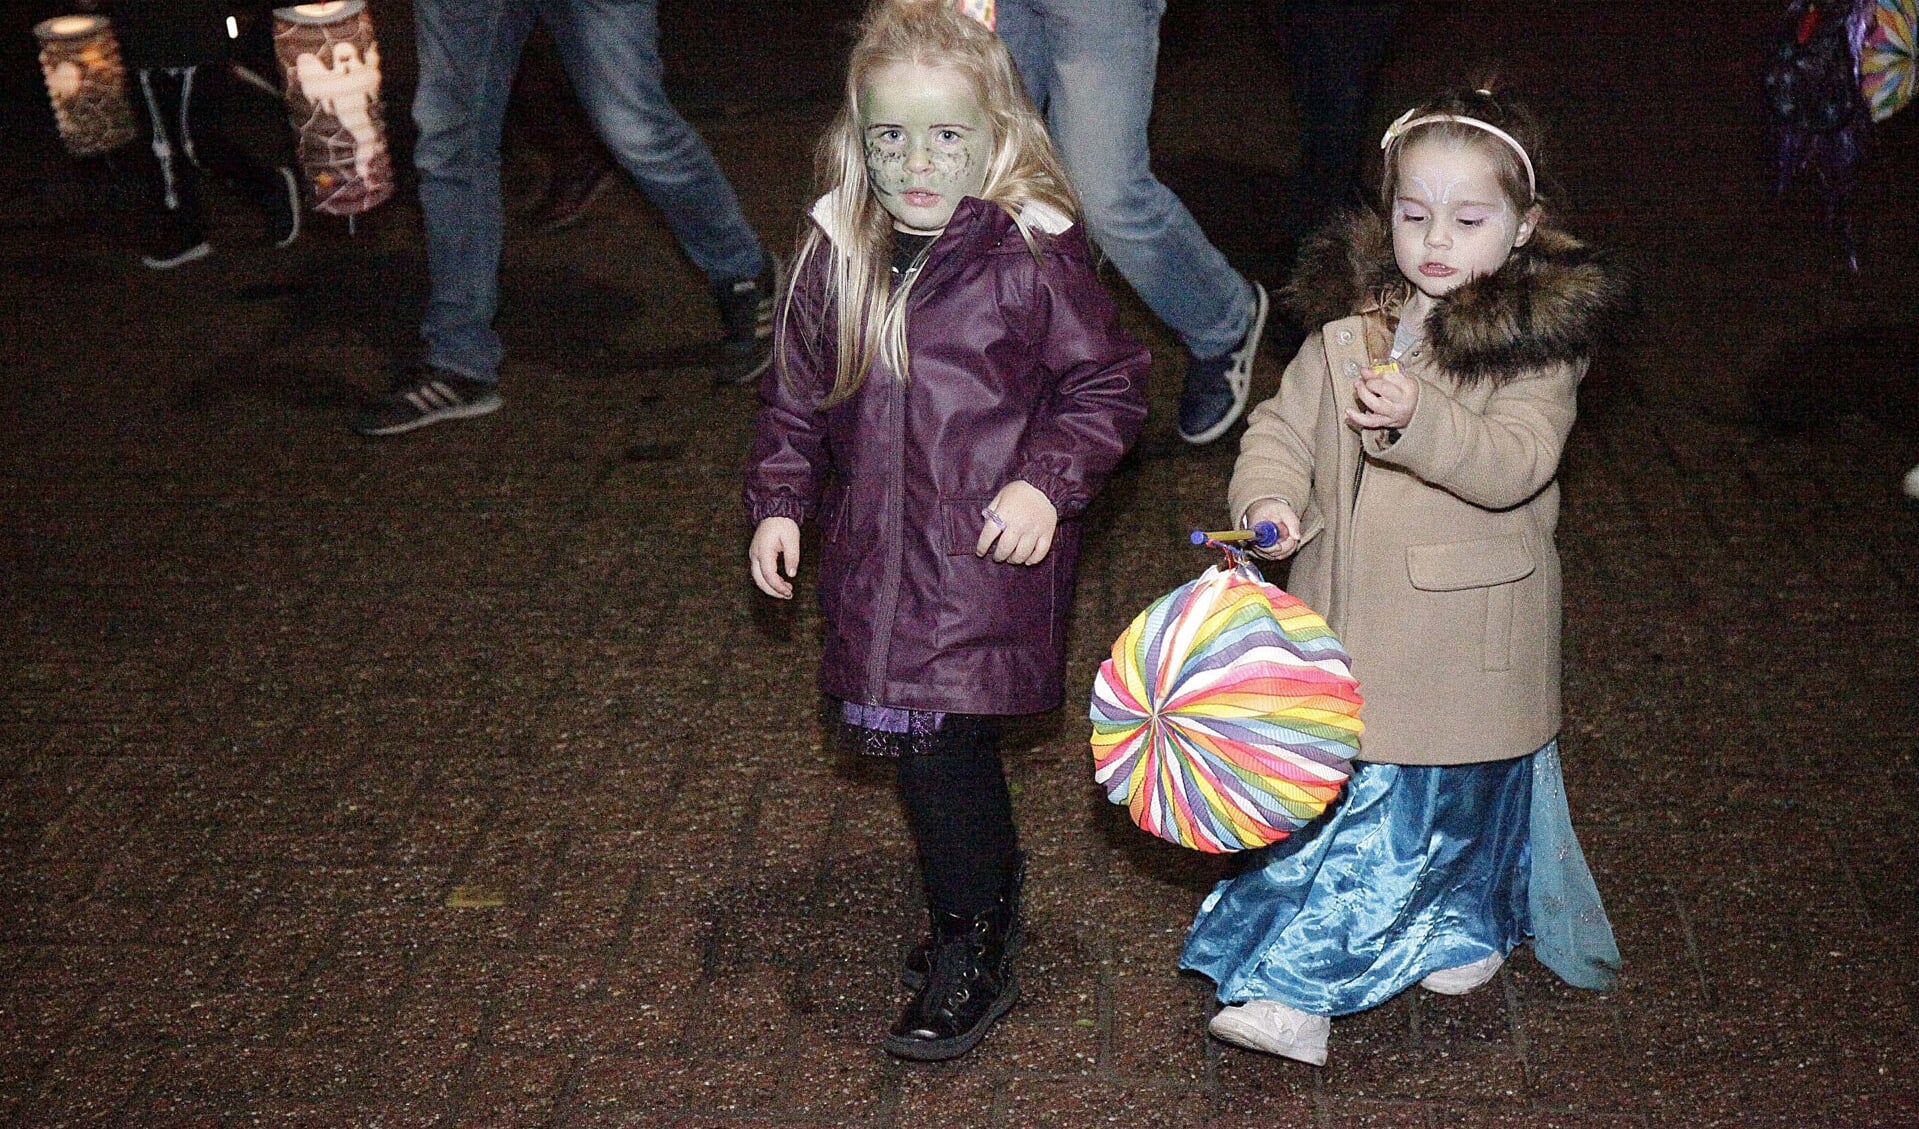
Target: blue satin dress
{"x": 1414, "y": 870}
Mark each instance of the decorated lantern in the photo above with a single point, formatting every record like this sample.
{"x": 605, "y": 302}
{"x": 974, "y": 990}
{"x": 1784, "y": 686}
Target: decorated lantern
{"x": 981, "y": 10}
{"x": 86, "y": 82}
{"x": 332, "y": 67}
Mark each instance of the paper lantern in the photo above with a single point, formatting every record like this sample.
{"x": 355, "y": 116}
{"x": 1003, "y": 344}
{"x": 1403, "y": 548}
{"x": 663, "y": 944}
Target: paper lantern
{"x": 981, "y": 10}
{"x": 332, "y": 66}
{"x": 86, "y": 82}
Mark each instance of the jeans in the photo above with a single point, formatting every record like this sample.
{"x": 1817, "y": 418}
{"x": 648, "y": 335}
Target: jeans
{"x": 469, "y": 52}
{"x": 1091, "y": 65}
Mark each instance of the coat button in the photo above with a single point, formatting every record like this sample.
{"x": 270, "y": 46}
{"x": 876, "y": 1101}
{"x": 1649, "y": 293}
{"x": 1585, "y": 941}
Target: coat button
{"x": 1345, "y": 337}
{"x": 1352, "y": 367}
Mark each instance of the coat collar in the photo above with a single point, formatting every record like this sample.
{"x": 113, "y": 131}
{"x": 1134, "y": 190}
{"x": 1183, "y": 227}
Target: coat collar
{"x": 973, "y": 218}
{"x": 1556, "y": 300}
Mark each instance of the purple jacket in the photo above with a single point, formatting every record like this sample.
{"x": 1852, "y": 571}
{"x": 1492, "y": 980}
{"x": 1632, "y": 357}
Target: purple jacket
{"x": 1020, "y": 370}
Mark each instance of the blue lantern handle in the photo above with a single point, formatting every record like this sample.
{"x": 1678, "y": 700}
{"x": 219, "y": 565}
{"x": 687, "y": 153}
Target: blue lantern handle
{"x": 1263, "y": 534}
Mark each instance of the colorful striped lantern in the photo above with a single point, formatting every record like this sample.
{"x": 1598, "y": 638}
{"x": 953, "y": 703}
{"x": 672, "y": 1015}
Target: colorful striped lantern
{"x": 1227, "y": 715}
{"x": 1886, "y": 68}
{"x": 332, "y": 67}
{"x": 86, "y": 82}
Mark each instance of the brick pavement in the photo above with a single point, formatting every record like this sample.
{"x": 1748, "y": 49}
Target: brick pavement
{"x": 460, "y": 779}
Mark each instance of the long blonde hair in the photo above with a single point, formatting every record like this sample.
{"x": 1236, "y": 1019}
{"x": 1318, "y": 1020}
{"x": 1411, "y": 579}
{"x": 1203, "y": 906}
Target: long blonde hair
{"x": 868, "y": 314}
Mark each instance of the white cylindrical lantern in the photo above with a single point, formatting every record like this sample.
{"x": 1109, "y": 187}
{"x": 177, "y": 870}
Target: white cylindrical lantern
{"x": 86, "y": 82}
{"x": 332, "y": 67}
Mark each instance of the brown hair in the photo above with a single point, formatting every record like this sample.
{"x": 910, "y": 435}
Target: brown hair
{"x": 1501, "y": 110}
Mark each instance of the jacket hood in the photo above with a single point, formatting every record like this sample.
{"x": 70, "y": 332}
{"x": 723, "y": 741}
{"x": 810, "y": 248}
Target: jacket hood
{"x": 1556, "y": 300}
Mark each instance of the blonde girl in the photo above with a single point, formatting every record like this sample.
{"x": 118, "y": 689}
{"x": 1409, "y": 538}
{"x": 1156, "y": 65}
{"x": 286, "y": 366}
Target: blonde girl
{"x": 951, "y": 389}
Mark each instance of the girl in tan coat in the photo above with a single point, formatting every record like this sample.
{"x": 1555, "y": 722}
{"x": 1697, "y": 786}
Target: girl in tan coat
{"x": 1409, "y": 460}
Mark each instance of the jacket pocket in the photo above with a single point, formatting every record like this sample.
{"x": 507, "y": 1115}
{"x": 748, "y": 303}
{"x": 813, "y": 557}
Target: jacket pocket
{"x": 1491, "y": 567}
{"x": 989, "y": 603}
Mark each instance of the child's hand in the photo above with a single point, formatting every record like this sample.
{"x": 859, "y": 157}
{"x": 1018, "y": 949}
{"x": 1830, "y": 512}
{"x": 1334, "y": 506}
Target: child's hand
{"x": 1386, "y": 398}
{"x": 1021, "y": 520}
{"x": 775, "y": 539}
{"x": 1280, "y": 514}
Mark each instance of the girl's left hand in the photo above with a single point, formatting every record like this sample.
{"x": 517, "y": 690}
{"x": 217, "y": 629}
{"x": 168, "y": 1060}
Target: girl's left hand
{"x": 1024, "y": 532}
{"x": 1386, "y": 398}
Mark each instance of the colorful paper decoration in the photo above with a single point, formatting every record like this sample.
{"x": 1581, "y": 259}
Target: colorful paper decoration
{"x": 1886, "y": 57}
{"x": 86, "y": 82}
{"x": 981, "y": 10}
{"x": 332, "y": 67}
{"x": 1227, "y": 715}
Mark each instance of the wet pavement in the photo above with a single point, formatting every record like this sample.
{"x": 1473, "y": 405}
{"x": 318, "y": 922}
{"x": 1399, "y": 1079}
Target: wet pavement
{"x": 462, "y": 779}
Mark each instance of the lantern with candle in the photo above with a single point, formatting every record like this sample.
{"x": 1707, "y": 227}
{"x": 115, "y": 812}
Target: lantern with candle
{"x": 332, "y": 67}
{"x": 86, "y": 82}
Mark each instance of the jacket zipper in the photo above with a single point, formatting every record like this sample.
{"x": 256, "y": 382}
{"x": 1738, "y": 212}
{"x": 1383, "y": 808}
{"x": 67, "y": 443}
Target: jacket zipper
{"x": 896, "y": 518}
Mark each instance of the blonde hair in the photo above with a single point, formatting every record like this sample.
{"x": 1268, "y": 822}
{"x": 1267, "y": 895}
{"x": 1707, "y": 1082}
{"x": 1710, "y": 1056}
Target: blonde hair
{"x": 868, "y": 314}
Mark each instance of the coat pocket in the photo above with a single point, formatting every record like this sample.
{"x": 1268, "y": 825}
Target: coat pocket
{"x": 1490, "y": 569}
{"x": 989, "y": 603}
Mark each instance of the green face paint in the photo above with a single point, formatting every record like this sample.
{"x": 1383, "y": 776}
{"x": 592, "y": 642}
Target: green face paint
{"x": 928, "y": 143}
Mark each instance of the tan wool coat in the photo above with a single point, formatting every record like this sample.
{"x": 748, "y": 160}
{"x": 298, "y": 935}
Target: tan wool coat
{"x": 1432, "y": 554}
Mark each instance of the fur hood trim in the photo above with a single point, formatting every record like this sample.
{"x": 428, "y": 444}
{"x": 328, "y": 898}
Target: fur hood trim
{"x": 1556, "y": 300}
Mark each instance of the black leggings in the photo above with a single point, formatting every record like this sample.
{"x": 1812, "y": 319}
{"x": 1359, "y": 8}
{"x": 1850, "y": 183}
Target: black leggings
{"x": 961, "y": 815}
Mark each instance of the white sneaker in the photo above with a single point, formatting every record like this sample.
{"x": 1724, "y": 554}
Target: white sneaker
{"x": 1911, "y": 484}
{"x": 1465, "y": 978}
{"x": 1273, "y": 1028}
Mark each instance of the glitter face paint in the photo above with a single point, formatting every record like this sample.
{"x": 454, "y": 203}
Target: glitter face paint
{"x": 928, "y": 143}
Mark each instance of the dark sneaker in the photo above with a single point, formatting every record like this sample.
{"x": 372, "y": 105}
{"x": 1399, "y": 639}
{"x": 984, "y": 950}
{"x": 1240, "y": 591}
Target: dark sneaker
{"x": 427, "y": 395}
{"x": 167, "y": 258}
{"x": 1217, "y": 388}
{"x": 746, "y": 318}
{"x": 576, "y": 182}
{"x": 283, "y": 211}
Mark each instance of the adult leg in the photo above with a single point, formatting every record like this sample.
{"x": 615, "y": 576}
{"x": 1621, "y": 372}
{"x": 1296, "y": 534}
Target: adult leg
{"x": 1335, "y": 48}
{"x": 468, "y": 51}
{"x": 1095, "y": 66}
{"x": 550, "y": 116}
{"x": 611, "y": 52}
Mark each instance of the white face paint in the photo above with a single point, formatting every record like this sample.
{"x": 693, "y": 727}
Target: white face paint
{"x": 928, "y": 142}
{"x": 1452, "y": 222}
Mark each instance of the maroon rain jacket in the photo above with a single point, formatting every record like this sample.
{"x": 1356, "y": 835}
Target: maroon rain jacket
{"x": 1019, "y": 370}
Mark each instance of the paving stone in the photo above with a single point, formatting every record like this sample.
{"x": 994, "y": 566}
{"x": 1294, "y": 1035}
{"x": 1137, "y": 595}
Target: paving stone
{"x": 462, "y": 779}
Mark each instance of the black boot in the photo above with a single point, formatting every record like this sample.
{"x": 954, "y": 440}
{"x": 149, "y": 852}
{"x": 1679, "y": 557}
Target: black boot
{"x": 920, "y": 960}
{"x": 969, "y": 985}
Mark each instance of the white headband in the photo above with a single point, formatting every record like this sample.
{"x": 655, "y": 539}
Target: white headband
{"x": 1407, "y": 123}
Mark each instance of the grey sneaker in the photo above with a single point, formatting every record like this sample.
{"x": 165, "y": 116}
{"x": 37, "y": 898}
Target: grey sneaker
{"x": 424, "y": 396}
{"x": 1465, "y": 978}
{"x": 746, "y": 318}
{"x": 1216, "y": 388}
{"x": 1271, "y": 1027}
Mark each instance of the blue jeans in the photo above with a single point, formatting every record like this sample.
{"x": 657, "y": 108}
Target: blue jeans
{"x": 1091, "y": 65}
{"x": 469, "y": 52}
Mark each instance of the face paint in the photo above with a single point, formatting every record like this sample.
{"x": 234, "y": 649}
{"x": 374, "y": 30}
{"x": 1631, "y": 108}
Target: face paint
{"x": 928, "y": 142}
{"x": 1452, "y": 222}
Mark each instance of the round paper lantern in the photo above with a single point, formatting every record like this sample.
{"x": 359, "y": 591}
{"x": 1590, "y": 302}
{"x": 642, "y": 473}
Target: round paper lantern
{"x": 86, "y": 82}
{"x": 332, "y": 67}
